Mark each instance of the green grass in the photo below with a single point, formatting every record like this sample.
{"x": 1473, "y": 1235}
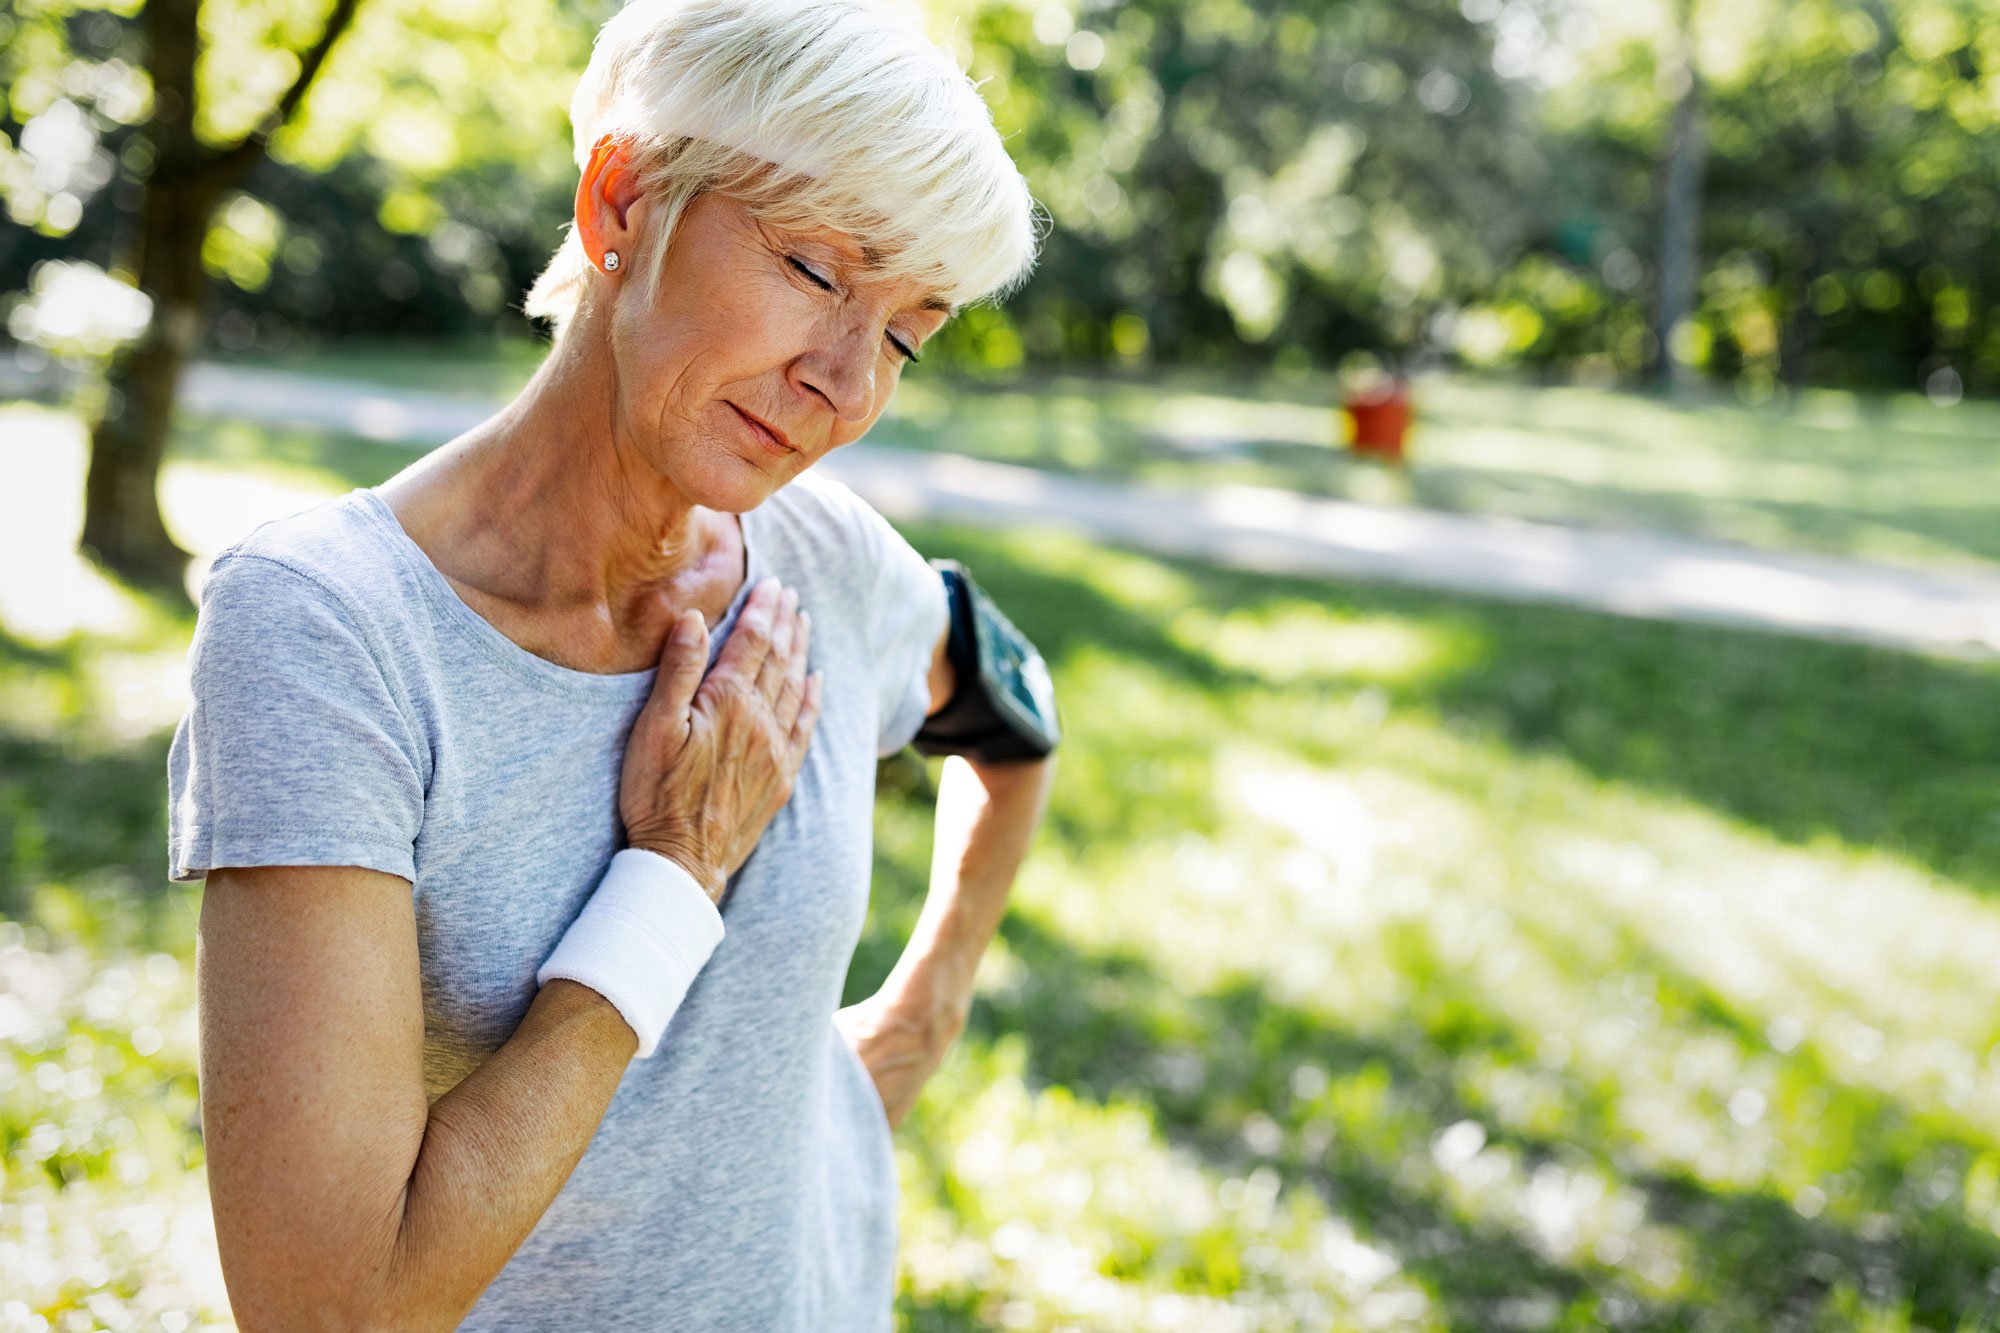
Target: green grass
{"x": 1882, "y": 477}
{"x": 486, "y": 367}
{"x": 1886, "y": 478}
{"x": 1592, "y": 972}
{"x": 1391, "y": 960}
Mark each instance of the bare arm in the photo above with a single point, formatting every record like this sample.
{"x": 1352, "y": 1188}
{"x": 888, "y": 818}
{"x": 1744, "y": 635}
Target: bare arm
{"x": 986, "y": 818}
{"x": 341, "y": 1199}
{"x": 987, "y": 814}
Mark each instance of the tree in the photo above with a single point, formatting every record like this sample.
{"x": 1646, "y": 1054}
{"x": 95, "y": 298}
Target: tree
{"x": 1248, "y": 177}
{"x": 122, "y": 524}
{"x": 1680, "y": 211}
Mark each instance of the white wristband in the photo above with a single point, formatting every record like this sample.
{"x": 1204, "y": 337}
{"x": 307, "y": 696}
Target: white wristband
{"x": 639, "y": 941}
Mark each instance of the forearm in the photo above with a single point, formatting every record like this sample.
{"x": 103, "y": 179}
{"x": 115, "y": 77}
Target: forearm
{"x": 498, "y": 1147}
{"x": 471, "y": 1180}
{"x": 985, "y": 822}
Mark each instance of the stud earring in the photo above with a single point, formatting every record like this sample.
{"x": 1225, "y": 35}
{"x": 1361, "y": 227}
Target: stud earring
{"x": 610, "y": 261}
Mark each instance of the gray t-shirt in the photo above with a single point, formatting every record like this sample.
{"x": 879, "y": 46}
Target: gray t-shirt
{"x": 348, "y": 708}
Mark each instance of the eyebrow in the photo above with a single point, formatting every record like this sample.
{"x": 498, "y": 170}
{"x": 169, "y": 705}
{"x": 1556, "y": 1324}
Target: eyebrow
{"x": 871, "y": 258}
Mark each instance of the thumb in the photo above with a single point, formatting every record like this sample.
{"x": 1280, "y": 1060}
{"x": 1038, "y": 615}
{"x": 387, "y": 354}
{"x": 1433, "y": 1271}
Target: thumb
{"x": 682, "y": 663}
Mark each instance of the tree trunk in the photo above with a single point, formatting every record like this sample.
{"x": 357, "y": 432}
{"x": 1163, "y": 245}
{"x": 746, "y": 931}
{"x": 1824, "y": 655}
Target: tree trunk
{"x": 1681, "y": 212}
{"x": 1798, "y": 337}
{"x": 122, "y": 526}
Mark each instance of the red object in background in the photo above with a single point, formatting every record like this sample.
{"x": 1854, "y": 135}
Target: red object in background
{"x": 1378, "y": 419}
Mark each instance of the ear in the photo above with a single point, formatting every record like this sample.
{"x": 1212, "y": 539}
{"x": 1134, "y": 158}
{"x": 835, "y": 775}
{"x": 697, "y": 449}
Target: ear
{"x": 609, "y": 210}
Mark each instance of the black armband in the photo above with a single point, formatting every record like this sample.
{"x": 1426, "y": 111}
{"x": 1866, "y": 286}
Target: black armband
{"x": 1003, "y": 705}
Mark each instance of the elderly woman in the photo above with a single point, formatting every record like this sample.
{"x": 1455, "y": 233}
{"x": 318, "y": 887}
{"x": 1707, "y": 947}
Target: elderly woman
{"x": 569, "y": 730}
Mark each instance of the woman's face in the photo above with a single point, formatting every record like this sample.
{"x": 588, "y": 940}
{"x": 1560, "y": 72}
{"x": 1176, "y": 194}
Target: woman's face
{"x": 758, "y": 352}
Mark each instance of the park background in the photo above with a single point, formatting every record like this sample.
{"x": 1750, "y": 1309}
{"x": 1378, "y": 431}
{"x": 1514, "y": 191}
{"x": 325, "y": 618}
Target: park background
{"x": 1394, "y": 957}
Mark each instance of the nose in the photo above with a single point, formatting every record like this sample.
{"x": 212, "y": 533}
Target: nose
{"x": 842, "y": 371}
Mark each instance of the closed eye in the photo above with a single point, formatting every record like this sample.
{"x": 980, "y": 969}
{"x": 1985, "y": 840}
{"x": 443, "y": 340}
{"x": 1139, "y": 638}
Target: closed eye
{"x": 812, "y": 275}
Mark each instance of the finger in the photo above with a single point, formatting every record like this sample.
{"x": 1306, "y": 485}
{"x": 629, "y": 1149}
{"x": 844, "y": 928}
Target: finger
{"x": 750, "y": 641}
{"x": 802, "y": 729}
{"x": 784, "y": 628}
{"x": 794, "y": 693}
{"x": 681, "y": 664}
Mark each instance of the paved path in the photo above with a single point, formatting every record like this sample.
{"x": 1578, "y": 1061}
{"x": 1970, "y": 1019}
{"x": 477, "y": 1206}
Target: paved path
{"x": 1280, "y": 531}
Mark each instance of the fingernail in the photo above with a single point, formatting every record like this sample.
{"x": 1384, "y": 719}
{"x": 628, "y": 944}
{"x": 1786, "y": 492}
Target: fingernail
{"x": 687, "y": 630}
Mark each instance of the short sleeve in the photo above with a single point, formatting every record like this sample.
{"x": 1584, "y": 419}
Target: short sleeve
{"x": 293, "y": 750}
{"x": 908, "y": 613}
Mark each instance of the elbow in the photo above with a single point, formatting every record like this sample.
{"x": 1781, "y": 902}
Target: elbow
{"x": 382, "y": 1311}
{"x": 399, "y": 1318}
{"x": 309, "y": 1287}
{"x": 303, "y": 1302}
{"x": 335, "y": 1311}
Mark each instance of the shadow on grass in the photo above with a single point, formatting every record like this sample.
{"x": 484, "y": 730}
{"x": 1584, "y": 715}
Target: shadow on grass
{"x": 65, "y": 815}
{"x": 1108, "y": 1024}
{"x": 1806, "y": 740}
{"x": 1854, "y": 523}
{"x": 74, "y": 811}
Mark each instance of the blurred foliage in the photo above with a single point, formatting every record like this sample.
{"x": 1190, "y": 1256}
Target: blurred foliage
{"x": 420, "y": 189}
{"x": 1391, "y": 960}
{"x": 1230, "y": 180}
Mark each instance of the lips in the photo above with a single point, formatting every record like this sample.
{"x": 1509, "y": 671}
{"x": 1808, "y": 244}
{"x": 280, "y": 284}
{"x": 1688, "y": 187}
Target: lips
{"x": 766, "y": 434}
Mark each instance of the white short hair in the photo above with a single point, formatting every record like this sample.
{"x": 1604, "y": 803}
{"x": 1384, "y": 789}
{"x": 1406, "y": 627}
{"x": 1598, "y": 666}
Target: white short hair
{"x": 834, "y": 113}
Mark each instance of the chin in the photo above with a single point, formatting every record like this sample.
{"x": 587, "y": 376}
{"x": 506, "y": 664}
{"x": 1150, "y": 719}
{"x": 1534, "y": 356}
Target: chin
{"x": 731, "y": 485}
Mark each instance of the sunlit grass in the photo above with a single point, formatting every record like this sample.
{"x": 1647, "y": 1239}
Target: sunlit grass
{"x": 104, "y": 1220}
{"x": 485, "y": 367}
{"x": 1571, "y": 1038}
{"x": 1880, "y": 477}
{"x": 1390, "y": 961}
